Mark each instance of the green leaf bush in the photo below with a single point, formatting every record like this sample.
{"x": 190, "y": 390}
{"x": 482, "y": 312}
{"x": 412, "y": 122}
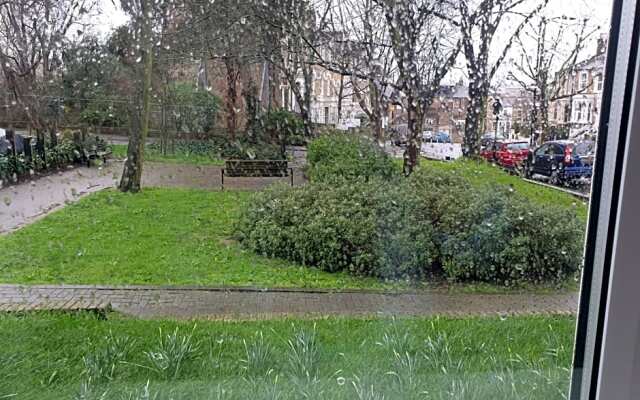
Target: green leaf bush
{"x": 65, "y": 152}
{"x": 217, "y": 147}
{"x": 282, "y": 124}
{"x": 339, "y": 156}
{"x": 506, "y": 239}
{"x": 432, "y": 224}
{"x": 355, "y": 227}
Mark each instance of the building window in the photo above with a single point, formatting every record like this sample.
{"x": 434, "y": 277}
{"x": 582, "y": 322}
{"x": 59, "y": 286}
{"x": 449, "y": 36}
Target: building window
{"x": 583, "y": 80}
{"x": 578, "y": 117}
{"x": 599, "y": 84}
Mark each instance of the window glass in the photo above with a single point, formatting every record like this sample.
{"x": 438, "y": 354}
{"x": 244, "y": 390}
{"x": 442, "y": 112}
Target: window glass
{"x": 584, "y": 148}
{"x": 294, "y": 199}
{"x": 518, "y": 146}
{"x": 556, "y": 149}
{"x": 542, "y": 150}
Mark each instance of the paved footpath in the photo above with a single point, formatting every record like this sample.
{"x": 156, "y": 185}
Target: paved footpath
{"x": 218, "y": 303}
{"x": 27, "y": 202}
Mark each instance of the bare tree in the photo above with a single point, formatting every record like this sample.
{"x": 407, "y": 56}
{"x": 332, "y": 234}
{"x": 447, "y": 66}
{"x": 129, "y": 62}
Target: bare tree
{"x": 478, "y": 23}
{"x": 32, "y": 34}
{"x": 360, "y": 50}
{"x": 558, "y": 43}
{"x": 424, "y": 54}
{"x": 223, "y": 31}
{"x": 290, "y": 31}
{"x": 145, "y": 15}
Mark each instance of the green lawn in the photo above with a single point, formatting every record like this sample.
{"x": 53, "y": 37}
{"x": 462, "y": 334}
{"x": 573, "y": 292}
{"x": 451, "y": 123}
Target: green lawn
{"x": 179, "y": 157}
{"x": 87, "y": 356}
{"x": 160, "y": 236}
{"x": 481, "y": 173}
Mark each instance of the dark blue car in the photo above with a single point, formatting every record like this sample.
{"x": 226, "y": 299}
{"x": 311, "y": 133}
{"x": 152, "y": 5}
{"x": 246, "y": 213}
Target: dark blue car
{"x": 563, "y": 161}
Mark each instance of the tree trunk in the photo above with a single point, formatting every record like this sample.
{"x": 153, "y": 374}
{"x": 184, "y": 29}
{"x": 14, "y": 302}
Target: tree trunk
{"x": 306, "y": 115}
{"x": 376, "y": 114}
{"x": 232, "y": 97}
{"x": 474, "y": 119}
{"x": 251, "y": 101}
{"x": 544, "y": 116}
{"x": 132, "y": 172}
{"x": 340, "y": 94}
{"x": 306, "y": 122}
{"x": 415, "y": 118}
{"x": 53, "y": 139}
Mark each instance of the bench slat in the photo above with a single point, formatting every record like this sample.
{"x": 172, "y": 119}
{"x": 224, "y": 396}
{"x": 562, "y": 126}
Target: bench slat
{"x": 256, "y": 168}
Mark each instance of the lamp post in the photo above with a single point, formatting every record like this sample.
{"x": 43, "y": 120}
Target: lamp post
{"x": 497, "y": 108}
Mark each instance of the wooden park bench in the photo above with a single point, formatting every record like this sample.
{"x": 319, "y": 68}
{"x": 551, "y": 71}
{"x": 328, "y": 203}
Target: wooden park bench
{"x": 256, "y": 169}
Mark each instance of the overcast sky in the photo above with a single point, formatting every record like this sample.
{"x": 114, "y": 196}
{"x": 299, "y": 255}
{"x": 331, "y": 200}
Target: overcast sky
{"x": 597, "y": 11}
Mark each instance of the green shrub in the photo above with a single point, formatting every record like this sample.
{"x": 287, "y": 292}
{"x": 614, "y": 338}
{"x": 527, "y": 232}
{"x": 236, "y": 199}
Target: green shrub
{"x": 63, "y": 153}
{"x": 434, "y": 222}
{"x": 359, "y": 227}
{"x": 506, "y": 239}
{"x": 192, "y": 110}
{"x": 341, "y": 156}
{"x": 245, "y": 150}
{"x": 218, "y": 148}
{"x": 6, "y": 174}
{"x": 280, "y": 124}
{"x": 440, "y": 197}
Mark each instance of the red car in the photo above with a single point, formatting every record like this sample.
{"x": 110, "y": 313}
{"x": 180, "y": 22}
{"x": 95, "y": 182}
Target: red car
{"x": 507, "y": 154}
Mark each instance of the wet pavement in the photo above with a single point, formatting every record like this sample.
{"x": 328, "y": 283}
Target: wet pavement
{"x": 204, "y": 177}
{"x": 227, "y": 303}
{"x": 26, "y": 202}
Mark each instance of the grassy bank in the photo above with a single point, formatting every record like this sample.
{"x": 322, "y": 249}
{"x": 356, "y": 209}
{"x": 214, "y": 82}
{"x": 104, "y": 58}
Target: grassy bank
{"x": 160, "y": 236}
{"x": 64, "y": 356}
{"x": 483, "y": 174}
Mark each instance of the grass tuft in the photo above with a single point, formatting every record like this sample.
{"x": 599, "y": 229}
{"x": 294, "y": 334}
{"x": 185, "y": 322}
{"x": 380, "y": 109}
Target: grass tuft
{"x": 172, "y": 352}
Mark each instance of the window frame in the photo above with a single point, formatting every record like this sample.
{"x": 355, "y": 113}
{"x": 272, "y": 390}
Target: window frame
{"x": 604, "y": 365}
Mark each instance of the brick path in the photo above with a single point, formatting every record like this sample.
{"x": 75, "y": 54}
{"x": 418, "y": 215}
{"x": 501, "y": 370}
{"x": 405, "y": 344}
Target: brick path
{"x": 217, "y": 303}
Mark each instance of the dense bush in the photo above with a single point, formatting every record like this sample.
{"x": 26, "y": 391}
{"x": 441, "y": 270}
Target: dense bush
{"x": 65, "y": 152}
{"x": 282, "y": 124}
{"x": 433, "y": 223}
{"x": 341, "y": 156}
{"x": 355, "y": 227}
{"x": 104, "y": 111}
{"x": 192, "y": 110}
{"x": 504, "y": 238}
{"x": 220, "y": 148}
{"x": 246, "y": 150}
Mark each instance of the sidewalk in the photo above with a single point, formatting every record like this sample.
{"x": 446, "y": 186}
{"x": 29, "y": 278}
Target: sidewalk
{"x": 219, "y": 303}
{"x": 26, "y": 202}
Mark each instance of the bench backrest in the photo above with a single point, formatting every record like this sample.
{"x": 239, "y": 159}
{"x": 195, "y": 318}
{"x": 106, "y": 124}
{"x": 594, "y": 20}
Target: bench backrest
{"x": 256, "y": 168}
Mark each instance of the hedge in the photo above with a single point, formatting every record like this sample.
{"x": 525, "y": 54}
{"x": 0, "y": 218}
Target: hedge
{"x": 358, "y": 215}
{"x": 340, "y": 156}
{"x": 355, "y": 227}
{"x": 506, "y": 239}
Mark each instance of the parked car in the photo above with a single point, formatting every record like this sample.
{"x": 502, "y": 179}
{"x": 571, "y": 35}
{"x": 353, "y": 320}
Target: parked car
{"x": 509, "y": 154}
{"x": 563, "y": 161}
{"x": 488, "y": 138}
{"x": 440, "y": 137}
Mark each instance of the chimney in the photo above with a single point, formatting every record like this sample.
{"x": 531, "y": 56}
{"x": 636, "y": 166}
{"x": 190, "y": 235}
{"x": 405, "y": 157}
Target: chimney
{"x": 603, "y": 40}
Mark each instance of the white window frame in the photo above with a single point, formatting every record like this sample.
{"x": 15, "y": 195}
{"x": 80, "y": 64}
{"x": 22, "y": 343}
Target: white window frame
{"x": 584, "y": 79}
{"x": 607, "y": 356}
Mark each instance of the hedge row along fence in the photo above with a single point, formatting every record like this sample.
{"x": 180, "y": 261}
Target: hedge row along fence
{"x": 21, "y": 158}
{"x": 433, "y": 224}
